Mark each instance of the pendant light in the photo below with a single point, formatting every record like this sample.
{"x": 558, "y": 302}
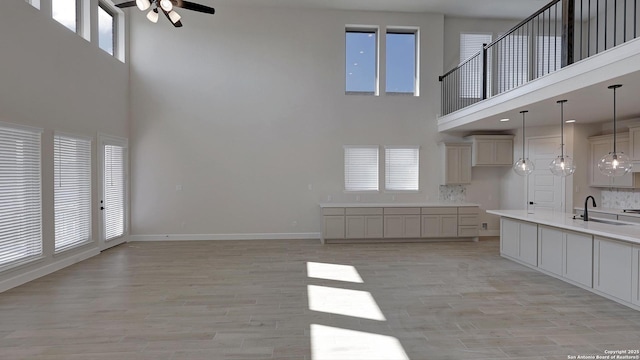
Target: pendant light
{"x": 615, "y": 163}
{"x": 523, "y": 167}
{"x": 562, "y": 165}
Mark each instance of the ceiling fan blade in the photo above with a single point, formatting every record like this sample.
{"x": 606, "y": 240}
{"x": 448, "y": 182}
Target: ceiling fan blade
{"x": 126, "y": 4}
{"x": 176, "y": 24}
{"x": 195, "y": 7}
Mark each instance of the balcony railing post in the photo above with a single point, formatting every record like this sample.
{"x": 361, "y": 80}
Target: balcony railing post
{"x": 568, "y": 21}
{"x": 484, "y": 71}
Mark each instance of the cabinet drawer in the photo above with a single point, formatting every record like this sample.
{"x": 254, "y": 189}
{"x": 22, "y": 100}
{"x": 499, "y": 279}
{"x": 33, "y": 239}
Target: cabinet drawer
{"x": 440, "y": 211}
{"x": 468, "y": 220}
{"x": 402, "y": 211}
{"x": 364, "y": 211}
{"x": 333, "y": 211}
{"x": 468, "y": 210}
{"x": 467, "y": 231}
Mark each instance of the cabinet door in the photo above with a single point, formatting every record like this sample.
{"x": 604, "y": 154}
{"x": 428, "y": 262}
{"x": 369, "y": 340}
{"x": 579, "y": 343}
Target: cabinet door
{"x": 448, "y": 225}
{"x": 393, "y": 226}
{"x": 373, "y": 227}
{"x": 578, "y": 258}
{"x": 635, "y": 274}
{"x": 612, "y": 261}
{"x": 509, "y": 237}
{"x": 452, "y": 166}
{"x": 354, "y": 227}
{"x": 333, "y": 227}
{"x": 529, "y": 243}
{"x": 504, "y": 152}
{"x": 598, "y": 150}
{"x": 430, "y": 226}
{"x": 465, "y": 165}
{"x": 627, "y": 179}
{"x": 411, "y": 226}
{"x": 550, "y": 246}
{"x": 486, "y": 150}
{"x": 634, "y": 143}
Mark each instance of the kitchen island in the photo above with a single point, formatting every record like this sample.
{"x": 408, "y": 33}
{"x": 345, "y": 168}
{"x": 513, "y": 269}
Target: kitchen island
{"x": 603, "y": 258}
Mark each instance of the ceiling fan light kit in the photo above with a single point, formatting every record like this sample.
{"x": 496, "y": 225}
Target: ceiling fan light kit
{"x": 167, "y": 7}
{"x": 615, "y": 163}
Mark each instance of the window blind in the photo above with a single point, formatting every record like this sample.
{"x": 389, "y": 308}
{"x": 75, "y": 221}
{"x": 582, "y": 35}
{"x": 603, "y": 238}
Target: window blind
{"x": 361, "y": 168}
{"x": 548, "y": 54}
{"x": 72, "y": 191}
{"x": 401, "y": 168}
{"x": 20, "y": 195}
{"x": 470, "y": 45}
{"x": 114, "y": 188}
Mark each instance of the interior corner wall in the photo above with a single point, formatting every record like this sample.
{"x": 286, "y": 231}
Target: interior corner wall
{"x": 239, "y": 119}
{"x": 53, "y": 79}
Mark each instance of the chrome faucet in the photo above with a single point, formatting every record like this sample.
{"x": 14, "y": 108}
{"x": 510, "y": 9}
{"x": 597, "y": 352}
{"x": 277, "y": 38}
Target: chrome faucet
{"x": 586, "y": 211}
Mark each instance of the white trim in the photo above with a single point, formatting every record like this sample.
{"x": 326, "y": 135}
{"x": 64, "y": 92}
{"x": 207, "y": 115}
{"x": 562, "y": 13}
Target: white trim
{"x": 46, "y": 270}
{"x": 75, "y": 136}
{"x": 223, "y": 237}
{"x": 21, "y": 127}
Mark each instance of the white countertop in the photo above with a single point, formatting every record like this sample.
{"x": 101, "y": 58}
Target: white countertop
{"x": 630, "y": 232}
{"x": 608, "y": 211}
{"x": 388, "y": 205}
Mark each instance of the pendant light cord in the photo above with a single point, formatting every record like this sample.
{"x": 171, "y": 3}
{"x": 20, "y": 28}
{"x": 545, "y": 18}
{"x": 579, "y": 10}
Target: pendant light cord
{"x": 562, "y": 127}
{"x": 523, "y": 137}
{"x": 614, "y": 121}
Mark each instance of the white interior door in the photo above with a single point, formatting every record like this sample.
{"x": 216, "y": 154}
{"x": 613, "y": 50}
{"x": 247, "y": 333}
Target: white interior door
{"x": 544, "y": 190}
{"x": 113, "y": 153}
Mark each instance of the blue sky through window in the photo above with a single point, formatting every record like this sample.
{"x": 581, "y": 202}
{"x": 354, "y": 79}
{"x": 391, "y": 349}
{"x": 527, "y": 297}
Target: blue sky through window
{"x": 401, "y": 62}
{"x": 361, "y": 61}
{"x": 105, "y": 30}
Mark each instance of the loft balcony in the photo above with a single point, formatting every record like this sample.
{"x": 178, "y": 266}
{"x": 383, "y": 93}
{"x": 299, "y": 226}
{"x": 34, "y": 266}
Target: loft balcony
{"x": 569, "y": 49}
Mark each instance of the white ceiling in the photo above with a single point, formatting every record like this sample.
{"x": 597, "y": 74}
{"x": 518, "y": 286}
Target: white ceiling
{"x": 513, "y": 9}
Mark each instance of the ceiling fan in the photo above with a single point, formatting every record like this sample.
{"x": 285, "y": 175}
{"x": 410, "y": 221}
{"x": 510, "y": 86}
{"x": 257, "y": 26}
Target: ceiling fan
{"x": 167, "y": 7}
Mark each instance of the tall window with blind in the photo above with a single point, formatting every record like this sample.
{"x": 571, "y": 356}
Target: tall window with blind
{"x": 470, "y": 45}
{"x": 20, "y": 195}
{"x": 361, "y": 168}
{"x": 402, "y": 166}
{"x": 72, "y": 191}
{"x": 114, "y": 191}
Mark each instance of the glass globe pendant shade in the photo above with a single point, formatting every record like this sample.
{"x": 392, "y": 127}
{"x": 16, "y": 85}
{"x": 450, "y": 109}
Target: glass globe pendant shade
{"x": 562, "y": 166}
{"x": 615, "y": 164}
{"x": 143, "y": 4}
{"x": 524, "y": 167}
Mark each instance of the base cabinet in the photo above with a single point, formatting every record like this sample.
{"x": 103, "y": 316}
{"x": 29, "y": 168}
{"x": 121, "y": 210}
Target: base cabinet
{"x": 611, "y": 263}
{"x": 363, "y": 227}
{"x": 550, "y": 250}
{"x": 401, "y": 226}
{"x": 519, "y": 240}
{"x": 635, "y": 276}
{"x": 578, "y": 258}
{"x": 333, "y": 227}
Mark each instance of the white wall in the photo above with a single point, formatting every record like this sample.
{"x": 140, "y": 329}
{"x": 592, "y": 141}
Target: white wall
{"x": 54, "y": 79}
{"x": 246, "y": 111}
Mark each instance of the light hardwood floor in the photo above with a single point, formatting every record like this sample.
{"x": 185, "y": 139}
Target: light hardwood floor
{"x": 249, "y": 300}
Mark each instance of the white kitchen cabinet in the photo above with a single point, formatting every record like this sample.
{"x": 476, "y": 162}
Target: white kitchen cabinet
{"x": 600, "y": 146}
{"x": 456, "y": 162}
{"x": 363, "y": 223}
{"x": 439, "y": 222}
{"x": 468, "y": 221}
{"x": 611, "y": 263}
{"x": 550, "y": 249}
{"x": 333, "y": 227}
{"x": 401, "y": 223}
{"x": 634, "y": 146}
{"x": 578, "y": 258}
{"x": 635, "y": 276}
{"x": 519, "y": 240}
{"x": 491, "y": 150}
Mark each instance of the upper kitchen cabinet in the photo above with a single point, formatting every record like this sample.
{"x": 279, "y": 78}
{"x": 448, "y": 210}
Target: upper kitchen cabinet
{"x": 492, "y": 150}
{"x": 634, "y": 147}
{"x": 602, "y": 145}
{"x": 456, "y": 162}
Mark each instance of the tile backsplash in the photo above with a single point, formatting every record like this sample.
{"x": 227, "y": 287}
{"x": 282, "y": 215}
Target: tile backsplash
{"x": 619, "y": 199}
{"x": 452, "y": 193}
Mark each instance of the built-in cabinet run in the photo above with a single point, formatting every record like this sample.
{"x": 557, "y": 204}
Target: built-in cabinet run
{"x": 605, "y": 266}
{"x": 491, "y": 150}
{"x": 424, "y": 222}
{"x": 456, "y": 161}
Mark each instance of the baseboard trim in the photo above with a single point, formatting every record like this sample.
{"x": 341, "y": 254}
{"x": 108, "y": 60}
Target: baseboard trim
{"x": 46, "y": 270}
{"x": 224, "y": 237}
{"x": 489, "y": 233}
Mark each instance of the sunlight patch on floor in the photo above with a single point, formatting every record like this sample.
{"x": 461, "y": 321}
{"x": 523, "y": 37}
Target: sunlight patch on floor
{"x": 333, "y": 272}
{"x": 330, "y": 343}
{"x": 347, "y": 302}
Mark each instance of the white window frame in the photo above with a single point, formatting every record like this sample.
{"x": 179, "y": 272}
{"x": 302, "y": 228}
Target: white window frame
{"x": 364, "y": 28}
{"x": 388, "y": 186}
{"x": 36, "y": 256}
{"x": 89, "y": 239}
{"x": 118, "y": 28}
{"x": 352, "y": 189}
{"x": 34, "y": 3}
{"x": 416, "y": 82}
{"x": 105, "y": 139}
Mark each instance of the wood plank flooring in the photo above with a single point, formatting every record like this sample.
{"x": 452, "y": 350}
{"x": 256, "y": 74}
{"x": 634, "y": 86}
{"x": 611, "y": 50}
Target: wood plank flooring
{"x": 248, "y": 300}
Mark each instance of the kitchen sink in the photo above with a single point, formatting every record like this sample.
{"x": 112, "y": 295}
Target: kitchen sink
{"x": 610, "y": 222}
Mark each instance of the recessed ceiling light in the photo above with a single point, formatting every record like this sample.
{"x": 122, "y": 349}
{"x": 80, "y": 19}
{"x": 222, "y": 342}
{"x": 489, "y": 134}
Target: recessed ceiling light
{"x": 570, "y": 121}
{"x": 504, "y": 120}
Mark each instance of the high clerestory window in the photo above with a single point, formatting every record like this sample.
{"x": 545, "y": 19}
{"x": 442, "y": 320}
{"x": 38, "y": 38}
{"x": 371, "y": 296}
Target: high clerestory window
{"x": 401, "y": 61}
